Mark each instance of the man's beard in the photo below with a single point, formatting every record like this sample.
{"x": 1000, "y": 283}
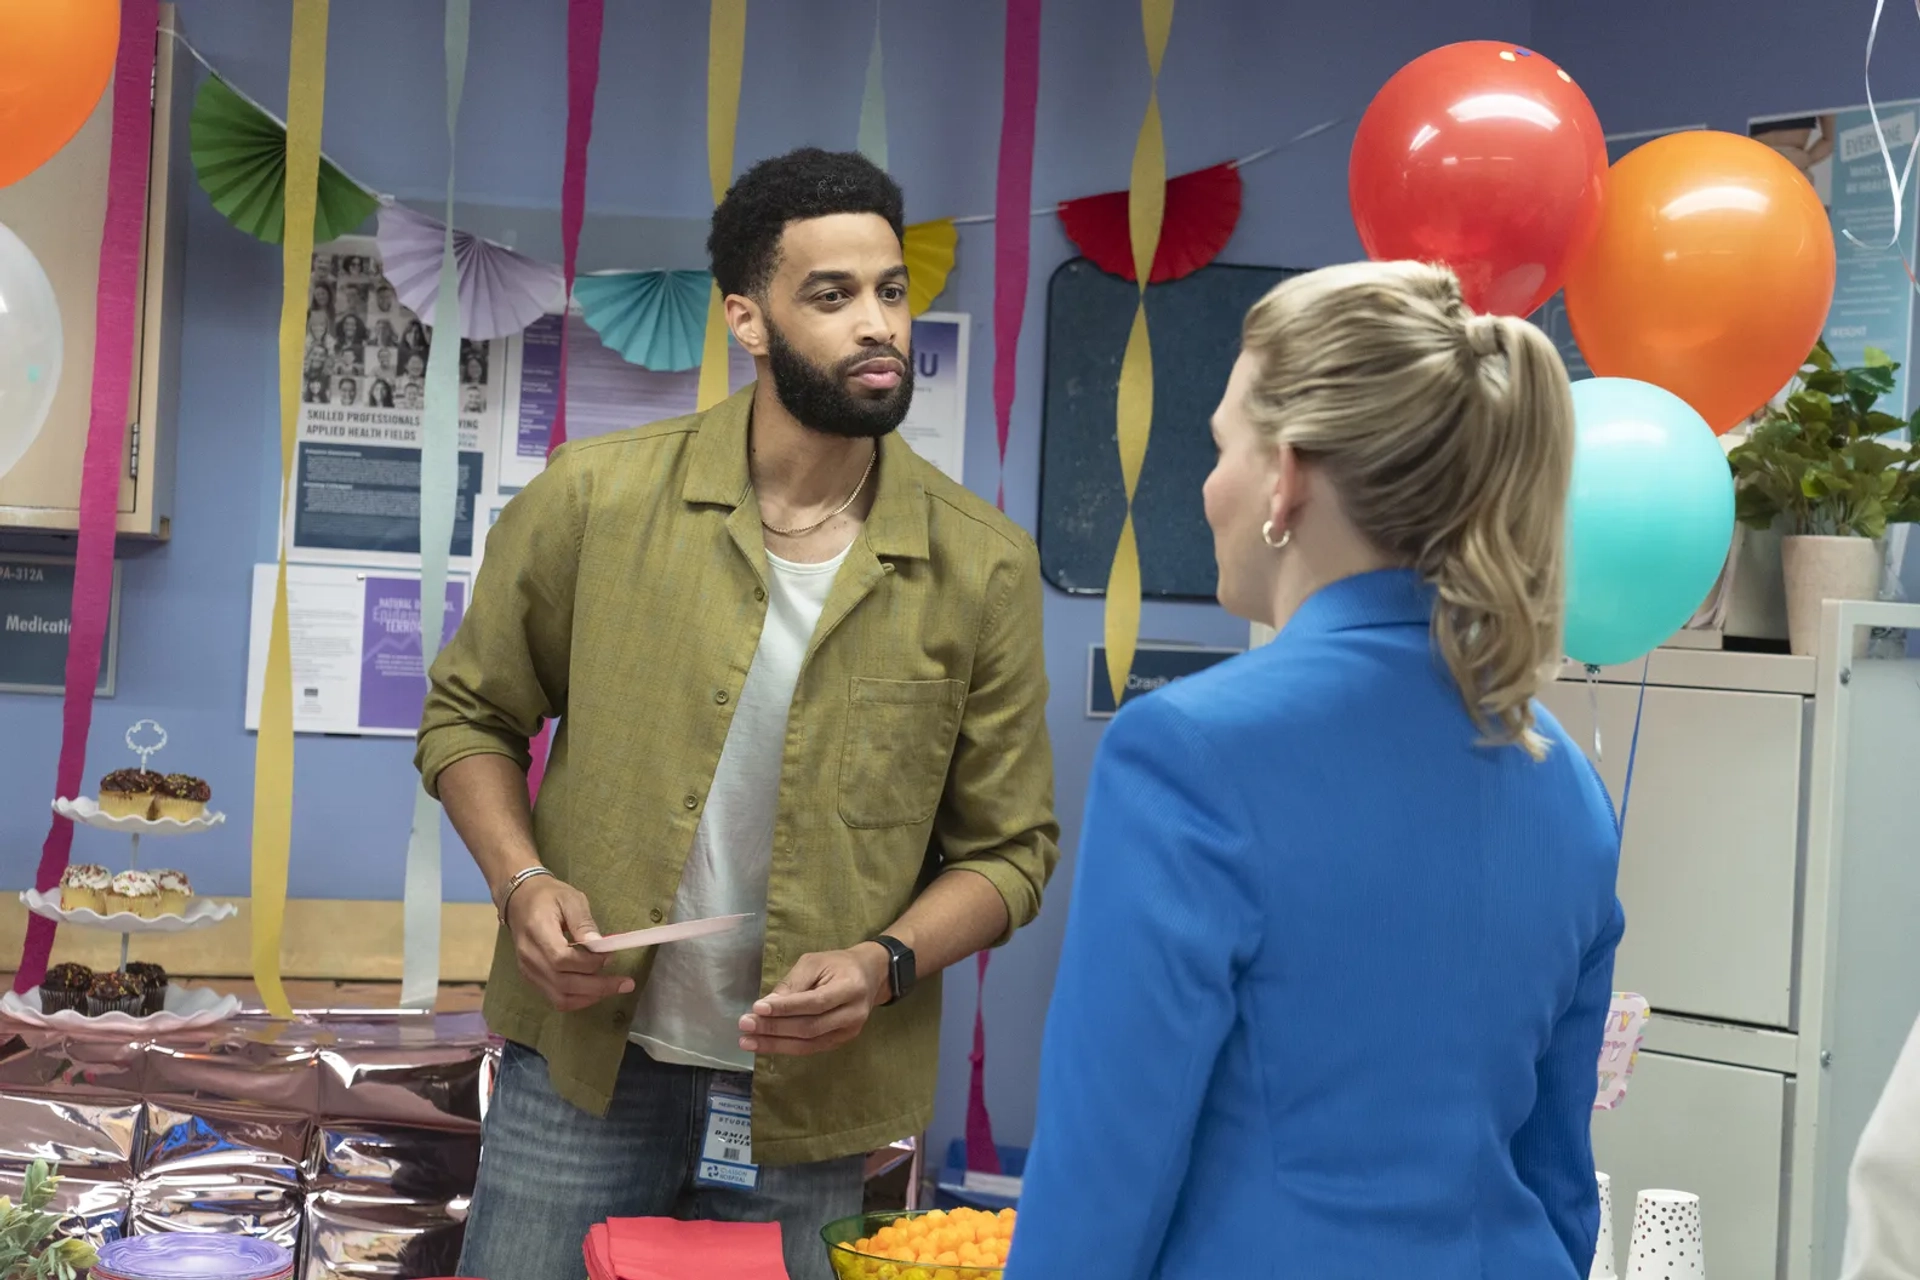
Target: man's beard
{"x": 820, "y": 399}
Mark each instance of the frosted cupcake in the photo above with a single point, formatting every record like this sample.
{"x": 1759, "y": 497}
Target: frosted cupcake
{"x": 175, "y": 890}
{"x": 84, "y": 888}
{"x": 129, "y": 793}
{"x": 114, "y": 993}
{"x": 135, "y": 891}
{"x": 65, "y": 987}
{"x": 182, "y": 797}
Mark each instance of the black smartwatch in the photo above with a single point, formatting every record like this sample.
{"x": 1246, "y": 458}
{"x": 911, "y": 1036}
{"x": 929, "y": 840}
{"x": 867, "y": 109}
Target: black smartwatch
{"x": 899, "y": 966}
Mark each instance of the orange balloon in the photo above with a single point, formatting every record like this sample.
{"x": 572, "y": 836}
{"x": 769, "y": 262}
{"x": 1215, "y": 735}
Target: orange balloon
{"x": 1710, "y": 276}
{"x": 56, "y": 57}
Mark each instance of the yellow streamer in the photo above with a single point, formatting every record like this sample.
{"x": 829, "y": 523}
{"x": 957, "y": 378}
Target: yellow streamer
{"x": 273, "y": 753}
{"x": 928, "y": 249}
{"x": 726, "y": 50}
{"x": 1133, "y": 412}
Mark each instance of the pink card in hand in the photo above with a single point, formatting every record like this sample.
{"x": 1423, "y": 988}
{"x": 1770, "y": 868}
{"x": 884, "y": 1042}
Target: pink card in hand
{"x": 664, "y": 934}
{"x": 666, "y": 1249}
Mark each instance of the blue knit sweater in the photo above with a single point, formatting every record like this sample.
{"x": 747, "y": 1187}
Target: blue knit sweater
{"x": 1334, "y": 982}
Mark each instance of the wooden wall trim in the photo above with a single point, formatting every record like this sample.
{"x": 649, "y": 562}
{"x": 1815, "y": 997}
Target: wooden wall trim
{"x": 330, "y": 938}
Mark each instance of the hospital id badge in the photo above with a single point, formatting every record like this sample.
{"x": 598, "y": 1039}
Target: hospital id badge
{"x": 726, "y": 1152}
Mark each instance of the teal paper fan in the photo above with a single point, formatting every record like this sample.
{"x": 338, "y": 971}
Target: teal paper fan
{"x": 655, "y": 319}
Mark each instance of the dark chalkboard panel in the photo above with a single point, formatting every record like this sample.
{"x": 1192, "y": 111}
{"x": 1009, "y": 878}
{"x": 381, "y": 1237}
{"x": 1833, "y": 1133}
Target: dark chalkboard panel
{"x": 1195, "y": 327}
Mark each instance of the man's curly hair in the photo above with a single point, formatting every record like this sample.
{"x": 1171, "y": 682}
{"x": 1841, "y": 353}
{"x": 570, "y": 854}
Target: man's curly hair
{"x": 744, "y": 240}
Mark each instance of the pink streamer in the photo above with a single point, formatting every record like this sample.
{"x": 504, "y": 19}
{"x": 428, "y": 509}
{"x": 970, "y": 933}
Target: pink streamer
{"x": 1013, "y": 197}
{"x": 1012, "y": 201}
{"x": 117, "y": 302}
{"x": 586, "y": 19}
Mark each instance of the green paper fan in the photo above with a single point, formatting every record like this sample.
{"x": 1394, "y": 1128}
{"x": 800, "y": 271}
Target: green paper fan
{"x": 240, "y": 155}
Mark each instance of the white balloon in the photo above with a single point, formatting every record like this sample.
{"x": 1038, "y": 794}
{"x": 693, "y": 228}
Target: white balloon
{"x": 30, "y": 348}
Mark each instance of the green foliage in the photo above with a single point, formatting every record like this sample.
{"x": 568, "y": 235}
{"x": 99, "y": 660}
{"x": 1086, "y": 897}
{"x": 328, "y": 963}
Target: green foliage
{"x": 28, "y": 1250}
{"x": 1819, "y": 462}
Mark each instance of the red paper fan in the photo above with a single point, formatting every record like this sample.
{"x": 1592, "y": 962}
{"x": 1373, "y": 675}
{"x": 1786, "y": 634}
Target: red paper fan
{"x": 1203, "y": 207}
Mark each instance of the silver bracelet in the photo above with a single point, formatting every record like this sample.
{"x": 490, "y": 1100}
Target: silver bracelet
{"x": 513, "y": 886}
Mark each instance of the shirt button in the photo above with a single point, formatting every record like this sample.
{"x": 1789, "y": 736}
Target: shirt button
{"x": 656, "y": 915}
{"x": 692, "y": 801}
{"x": 720, "y": 696}
{"x": 759, "y": 593}
{"x": 886, "y": 566}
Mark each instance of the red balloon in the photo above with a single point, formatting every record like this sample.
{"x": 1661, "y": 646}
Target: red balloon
{"x": 1488, "y": 158}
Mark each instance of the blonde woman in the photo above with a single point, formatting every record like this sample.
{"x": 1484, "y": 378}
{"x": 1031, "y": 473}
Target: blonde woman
{"x": 1341, "y": 945}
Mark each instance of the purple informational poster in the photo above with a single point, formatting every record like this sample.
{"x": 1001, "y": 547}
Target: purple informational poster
{"x": 393, "y": 683}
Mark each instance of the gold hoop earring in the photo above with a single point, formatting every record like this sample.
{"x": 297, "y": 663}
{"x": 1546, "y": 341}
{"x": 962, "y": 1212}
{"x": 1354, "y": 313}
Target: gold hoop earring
{"x": 1266, "y": 536}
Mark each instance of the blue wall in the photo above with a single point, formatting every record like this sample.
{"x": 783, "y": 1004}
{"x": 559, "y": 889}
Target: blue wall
{"x": 1238, "y": 77}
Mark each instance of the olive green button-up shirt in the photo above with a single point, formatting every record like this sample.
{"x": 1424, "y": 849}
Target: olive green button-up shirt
{"x": 623, "y": 593}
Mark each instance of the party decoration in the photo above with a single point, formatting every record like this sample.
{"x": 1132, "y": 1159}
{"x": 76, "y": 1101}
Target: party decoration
{"x": 1012, "y": 233}
{"x": 1710, "y": 276}
{"x": 928, "y": 249}
{"x": 240, "y": 153}
{"x": 872, "y": 140}
{"x": 55, "y": 60}
{"x": 1649, "y": 519}
{"x": 655, "y": 319}
{"x": 273, "y": 750}
{"x": 1203, "y": 208}
{"x": 1133, "y": 412}
{"x": 501, "y": 292}
{"x": 30, "y": 348}
{"x": 586, "y": 20}
{"x": 116, "y": 305}
{"x": 439, "y": 496}
{"x": 1488, "y": 158}
{"x": 726, "y": 49}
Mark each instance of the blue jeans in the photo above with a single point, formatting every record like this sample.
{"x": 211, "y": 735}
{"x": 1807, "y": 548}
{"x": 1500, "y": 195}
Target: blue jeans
{"x": 549, "y": 1171}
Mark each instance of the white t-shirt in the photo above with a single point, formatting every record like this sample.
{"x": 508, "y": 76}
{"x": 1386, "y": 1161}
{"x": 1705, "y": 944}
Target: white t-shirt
{"x": 690, "y": 1010}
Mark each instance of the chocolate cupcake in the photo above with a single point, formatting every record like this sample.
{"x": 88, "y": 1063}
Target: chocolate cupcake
{"x": 65, "y": 987}
{"x": 129, "y": 793}
{"x": 153, "y": 985}
{"x": 182, "y": 797}
{"x": 114, "y": 993}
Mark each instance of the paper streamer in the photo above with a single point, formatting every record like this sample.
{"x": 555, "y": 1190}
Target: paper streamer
{"x": 726, "y": 50}
{"x": 117, "y": 298}
{"x": 586, "y": 19}
{"x": 1133, "y": 417}
{"x": 1012, "y": 228}
{"x": 872, "y": 140}
{"x": 1020, "y": 92}
{"x": 439, "y": 492}
{"x": 273, "y": 752}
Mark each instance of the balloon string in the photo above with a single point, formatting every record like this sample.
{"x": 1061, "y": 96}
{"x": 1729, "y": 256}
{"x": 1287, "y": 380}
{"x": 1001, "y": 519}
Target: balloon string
{"x": 1593, "y": 710}
{"x": 1896, "y": 182}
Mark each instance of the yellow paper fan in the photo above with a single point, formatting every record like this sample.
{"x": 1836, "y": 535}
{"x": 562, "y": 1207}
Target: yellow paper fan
{"x": 928, "y": 247}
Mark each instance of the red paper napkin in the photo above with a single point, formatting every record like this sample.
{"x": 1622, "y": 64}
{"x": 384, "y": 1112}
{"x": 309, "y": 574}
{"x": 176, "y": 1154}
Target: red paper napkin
{"x": 668, "y": 1249}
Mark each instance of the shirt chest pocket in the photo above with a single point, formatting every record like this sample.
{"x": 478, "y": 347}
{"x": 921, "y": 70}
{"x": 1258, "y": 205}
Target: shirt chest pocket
{"x": 898, "y": 742}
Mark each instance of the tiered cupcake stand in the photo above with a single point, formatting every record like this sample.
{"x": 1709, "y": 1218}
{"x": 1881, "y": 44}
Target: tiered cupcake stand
{"x": 185, "y": 1006}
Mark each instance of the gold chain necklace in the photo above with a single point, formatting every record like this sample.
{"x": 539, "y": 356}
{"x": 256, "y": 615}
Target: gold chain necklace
{"x": 821, "y": 523}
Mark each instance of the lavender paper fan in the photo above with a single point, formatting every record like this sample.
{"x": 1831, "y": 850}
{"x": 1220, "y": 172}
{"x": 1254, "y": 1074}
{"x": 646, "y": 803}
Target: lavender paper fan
{"x": 501, "y": 292}
{"x": 655, "y": 319}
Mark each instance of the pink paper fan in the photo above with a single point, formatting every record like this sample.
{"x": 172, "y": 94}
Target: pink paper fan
{"x": 501, "y": 292}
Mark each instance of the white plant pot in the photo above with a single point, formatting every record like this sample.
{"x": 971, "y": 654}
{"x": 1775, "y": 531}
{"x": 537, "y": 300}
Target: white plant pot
{"x": 1817, "y": 569}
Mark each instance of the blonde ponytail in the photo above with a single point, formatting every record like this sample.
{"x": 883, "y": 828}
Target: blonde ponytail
{"x": 1449, "y": 437}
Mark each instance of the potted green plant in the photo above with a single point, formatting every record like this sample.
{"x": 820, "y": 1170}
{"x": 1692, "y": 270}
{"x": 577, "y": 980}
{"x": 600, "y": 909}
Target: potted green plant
{"x": 1822, "y": 468}
{"x": 28, "y": 1247}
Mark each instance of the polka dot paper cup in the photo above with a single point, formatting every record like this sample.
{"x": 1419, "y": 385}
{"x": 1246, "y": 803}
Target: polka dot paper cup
{"x": 1666, "y": 1238}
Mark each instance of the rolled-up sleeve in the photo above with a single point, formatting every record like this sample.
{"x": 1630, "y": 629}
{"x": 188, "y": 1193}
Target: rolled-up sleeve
{"x": 997, "y": 816}
{"x": 505, "y": 671}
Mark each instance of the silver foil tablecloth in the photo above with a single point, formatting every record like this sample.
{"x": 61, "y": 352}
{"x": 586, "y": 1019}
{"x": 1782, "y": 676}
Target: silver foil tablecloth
{"x": 351, "y": 1138}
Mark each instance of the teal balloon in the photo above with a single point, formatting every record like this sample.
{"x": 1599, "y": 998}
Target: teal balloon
{"x": 1649, "y": 518}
